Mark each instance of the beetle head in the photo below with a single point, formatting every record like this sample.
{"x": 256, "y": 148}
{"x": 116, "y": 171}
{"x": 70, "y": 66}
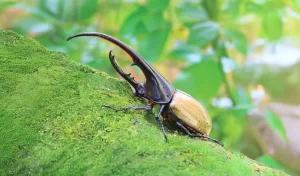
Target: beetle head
{"x": 140, "y": 90}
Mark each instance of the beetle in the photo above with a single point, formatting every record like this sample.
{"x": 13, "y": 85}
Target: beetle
{"x": 176, "y": 107}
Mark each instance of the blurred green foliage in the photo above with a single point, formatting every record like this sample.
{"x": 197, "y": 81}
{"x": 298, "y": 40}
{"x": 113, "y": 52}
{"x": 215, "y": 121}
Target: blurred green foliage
{"x": 275, "y": 123}
{"x": 196, "y": 34}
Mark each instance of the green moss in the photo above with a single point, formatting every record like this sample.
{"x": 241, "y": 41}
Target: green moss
{"x": 52, "y": 123}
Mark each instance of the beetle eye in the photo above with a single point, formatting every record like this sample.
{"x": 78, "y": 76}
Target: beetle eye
{"x": 140, "y": 89}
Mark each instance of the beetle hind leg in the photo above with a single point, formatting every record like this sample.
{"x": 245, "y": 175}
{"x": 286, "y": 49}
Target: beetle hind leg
{"x": 198, "y": 135}
{"x": 186, "y": 130}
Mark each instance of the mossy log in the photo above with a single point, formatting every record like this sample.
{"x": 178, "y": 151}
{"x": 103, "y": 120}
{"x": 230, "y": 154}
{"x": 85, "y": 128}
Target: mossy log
{"x": 52, "y": 123}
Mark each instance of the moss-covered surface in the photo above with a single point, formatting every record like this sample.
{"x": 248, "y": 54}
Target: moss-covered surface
{"x": 52, "y": 123}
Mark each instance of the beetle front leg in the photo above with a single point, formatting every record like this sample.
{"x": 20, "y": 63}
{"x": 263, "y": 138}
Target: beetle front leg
{"x": 196, "y": 135}
{"x": 147, "y": 108}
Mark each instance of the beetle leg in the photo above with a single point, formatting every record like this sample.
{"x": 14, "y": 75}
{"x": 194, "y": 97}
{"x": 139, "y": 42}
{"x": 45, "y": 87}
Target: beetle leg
{"x": 186, "y": 130}
{"x": 196, "y": 135}
{"x": 160, "y": 122}
{"x": 147, "y": 108}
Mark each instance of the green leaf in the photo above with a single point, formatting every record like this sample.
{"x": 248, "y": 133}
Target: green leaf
{"x": 36, "y": 12}
{"x": 233, "y": 7}
{"x": 5, "y": 4}
{"x": 221, "y": 49}
{"x": 296, "y": 5}
{"x": 132, "y": 23}
{"x": 153, "y": 44}
{"x": 203, "y": 33}
{"x": 154, "y": 21}
{"x": 189, "y": 53}
{"x": 212, "y": 8}
{"x": 276, "y": 124}
{"x": 238, "y": 39}
{"x": 69, "y": 10}
{"x": 253, "y": 7}
{"x": 269, "y": 161}
{"x": 187, "y": 13}
{"x": 87, "y": 9}
{"x": 201, "y": 80}
{"x": 242, "y": 100}
{"x": 48, "y": 7}
{"x": 241, "y": 97}
{"x": 272, "y": 25}
{"x": 155, "y": 5}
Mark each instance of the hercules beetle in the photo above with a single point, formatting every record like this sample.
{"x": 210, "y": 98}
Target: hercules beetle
{"x": 176, "y": 106}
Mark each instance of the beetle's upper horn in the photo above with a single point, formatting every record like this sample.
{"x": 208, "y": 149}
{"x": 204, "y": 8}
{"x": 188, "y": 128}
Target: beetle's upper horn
{"x": 157, "y": 88}
{"x": 128, "y": 50}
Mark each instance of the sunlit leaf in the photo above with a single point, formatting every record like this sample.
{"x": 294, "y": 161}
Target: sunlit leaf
{"x": 152, "y": 46}
{"x": 275, "y": 123}
{"x": 87, "y": 9}
{"x": 188, "y": 12}
{"x": 132, "y": 23}
{"x": 48, "y": 7}
{"x": 269, "y": 161}
{"x": 272, "y": 25}
{"x": 189, "y": 53}
{"x": 222, "y": 50}
{"x": 212, "y": 8}
{"x": 201, "y": 80}
{"x": 238, "y": 39}
{"x": 69, "y": 10}
{"x": 241, "y": 97}
{"x": 154, "y": 21}
{"x": 233, "y": 7}
{"x": 242, "y": 100}
{"x": 6, "y": 4}
{"x": 203, "y": 33}
{"x": 233, "y": 122}
{"x": 254, "y": 7}
{"x": 103, "y": 65}
{"x": 155, "y": 5}
{"x": 36, "y": 12}
{"x": 296, "y": 5}
{"x": 63, "y": 10}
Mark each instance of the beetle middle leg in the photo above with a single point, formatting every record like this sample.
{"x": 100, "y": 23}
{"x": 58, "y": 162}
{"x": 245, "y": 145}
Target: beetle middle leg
{"x": 198, "y": 135}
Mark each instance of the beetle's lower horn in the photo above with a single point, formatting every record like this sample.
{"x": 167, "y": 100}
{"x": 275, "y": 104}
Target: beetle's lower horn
{"x": 126, "y": 76}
